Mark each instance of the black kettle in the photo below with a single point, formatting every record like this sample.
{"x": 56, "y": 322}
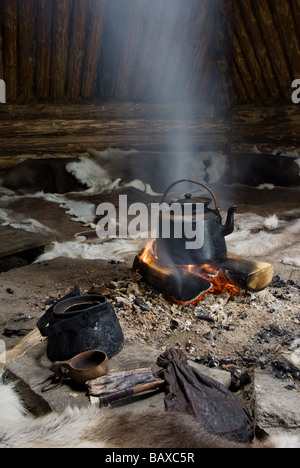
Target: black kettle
{"x": 172, "y": 249}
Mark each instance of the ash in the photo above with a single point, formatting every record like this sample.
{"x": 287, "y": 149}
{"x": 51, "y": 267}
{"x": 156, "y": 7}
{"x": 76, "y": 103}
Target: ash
{"x": 234, "y": 333}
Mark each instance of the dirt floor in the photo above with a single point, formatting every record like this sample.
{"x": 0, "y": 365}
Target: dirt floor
{"x": 236, "y": 334}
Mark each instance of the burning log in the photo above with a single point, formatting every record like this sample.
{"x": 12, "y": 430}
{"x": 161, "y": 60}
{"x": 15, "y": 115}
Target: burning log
{"x": 188, "y": 284}
{"x": 249, "y": 274}
{"x": 180, "y": 284}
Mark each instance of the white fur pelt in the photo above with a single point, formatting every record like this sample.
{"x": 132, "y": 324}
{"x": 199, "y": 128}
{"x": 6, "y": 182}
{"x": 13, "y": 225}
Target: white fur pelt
{"x": 266, "y": 238}
{"x": 117, "y": 250}
{"x": 99, "y": 179}
{"x": 94, "y": 428}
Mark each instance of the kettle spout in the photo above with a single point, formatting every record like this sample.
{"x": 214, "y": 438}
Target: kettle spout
{"x": 228, "y": 228}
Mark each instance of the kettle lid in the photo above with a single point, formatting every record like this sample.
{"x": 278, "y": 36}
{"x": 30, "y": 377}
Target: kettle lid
{"x": 188, "y": 198}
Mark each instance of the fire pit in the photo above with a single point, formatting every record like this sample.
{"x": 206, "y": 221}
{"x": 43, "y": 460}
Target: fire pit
{"x": 186, "y": 275}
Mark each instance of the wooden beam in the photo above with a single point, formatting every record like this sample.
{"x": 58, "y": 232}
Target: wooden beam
{"x": 26, "y": 48}
{"x": 16, "y": 241}
{"x": 274, "y": 45}
{"x": 109, "y": 110}
{"x": 289, "y": 35}
{"x": 76, "y": 50}
{"x": 62, "y": 12}
{"x": 246, "y": 44}
{"x": 70, "y": 130}
{"x": 261, "y": 52}
{"x": 94, "y": 41}
{"x": 269, "y": 128}
{"x": 10, "y": 51}
{"x": 243, "y": 69}
{"x": 130, "y": 47}
{"x": 1, "y": 44}
{"x": 44, "y": 45}
{"x": 58, "y": 136}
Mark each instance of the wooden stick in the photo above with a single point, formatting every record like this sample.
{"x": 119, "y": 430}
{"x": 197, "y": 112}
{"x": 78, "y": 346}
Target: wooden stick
{"x": 21, "y": 348}
{"x": 119, "y": 381}
{"x": 130, "y": 391}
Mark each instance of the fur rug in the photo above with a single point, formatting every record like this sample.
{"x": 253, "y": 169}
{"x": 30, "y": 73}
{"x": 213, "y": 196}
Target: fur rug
{"x": 93, "y": 428}
{"x": 105, "y": 174}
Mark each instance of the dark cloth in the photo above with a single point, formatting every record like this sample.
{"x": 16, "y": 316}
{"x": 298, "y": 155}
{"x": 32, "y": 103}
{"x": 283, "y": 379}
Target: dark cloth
{"x": 213, "y": 406}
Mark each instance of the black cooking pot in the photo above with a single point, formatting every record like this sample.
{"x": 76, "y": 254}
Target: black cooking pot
{"x": 173, "y": 249}
{"x": 77, "y": 324}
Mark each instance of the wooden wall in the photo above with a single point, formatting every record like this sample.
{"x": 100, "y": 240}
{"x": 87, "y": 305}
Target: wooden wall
{"x": 69, "y": 130}
{"x": 155, "y": 75}
{"x": 113, "y": 50}
{"x": 266, "y": 50}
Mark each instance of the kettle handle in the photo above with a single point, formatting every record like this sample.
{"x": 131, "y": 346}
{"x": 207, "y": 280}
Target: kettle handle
{"x": 192, "y": 182}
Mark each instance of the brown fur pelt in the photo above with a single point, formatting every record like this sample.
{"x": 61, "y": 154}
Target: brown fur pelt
{"x": 93, "y": 428}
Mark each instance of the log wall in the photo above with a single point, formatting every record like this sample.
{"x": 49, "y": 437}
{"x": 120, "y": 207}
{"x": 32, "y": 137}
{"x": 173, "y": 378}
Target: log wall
{"x": 113, "y": 50}
{"x": 268, "y": 127}
{"x": 69, "y": 130}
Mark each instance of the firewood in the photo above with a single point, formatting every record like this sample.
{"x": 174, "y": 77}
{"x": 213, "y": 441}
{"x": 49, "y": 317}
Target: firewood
{"x": 130, "y": 391}
{"x": 119, "y": 381}
{"x": 20, "y": 349}
{"x": 179, "y": 284}
{"x": 249, "y": 274}
{"x": 187, "y": 286}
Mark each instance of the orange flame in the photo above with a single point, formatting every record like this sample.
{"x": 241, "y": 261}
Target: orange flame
{"x": 216, "y": 277}
{"x": 220, "y": 283}
{"x": 147, "y": 255}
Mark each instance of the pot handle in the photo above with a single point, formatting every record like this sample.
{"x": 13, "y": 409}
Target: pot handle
{"x": 192, "y": 182}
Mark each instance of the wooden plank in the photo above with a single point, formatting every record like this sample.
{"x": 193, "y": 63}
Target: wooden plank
{"x": 246, "y": 45}
{"x": 289, "y": 35}
{"x": 243, "y": 69}
{"x": 76, "y": 136}
{"x": 265, "y": 115}
{"x": 139, "y": 81}
{"x": 44, "y": 45}
{"x": 93, "y": 47}
{"x": 109, "y": 110}
{"x": 261, "y": 51}
{"x": 62, "y": 12}
{"x": 22, "y": 347}
{"x": 26, "y": 49}
{"x": 295, "y": 5}
{"x": 204, "y": 57}
{"x": 76, "y": 49}
{"x": 15, "y": 241}
{"x": 241, "y": 91}
{"x": 269, "y": 128}
{"x": 274, "y": 45}
{"x": 130, "y": 48}
{"x": 10, "y": 52}
{"x": 224, "y": 24}
{"x": 1, "y": 45}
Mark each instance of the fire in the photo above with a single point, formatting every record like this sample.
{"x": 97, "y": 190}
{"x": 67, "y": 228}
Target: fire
{"x": 219, "y": 283}
{"x": 147, "y": 255}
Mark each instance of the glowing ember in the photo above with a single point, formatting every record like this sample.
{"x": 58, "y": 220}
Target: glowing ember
{"x": 220, "y": 284}
{"x": 209, "y": 272}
